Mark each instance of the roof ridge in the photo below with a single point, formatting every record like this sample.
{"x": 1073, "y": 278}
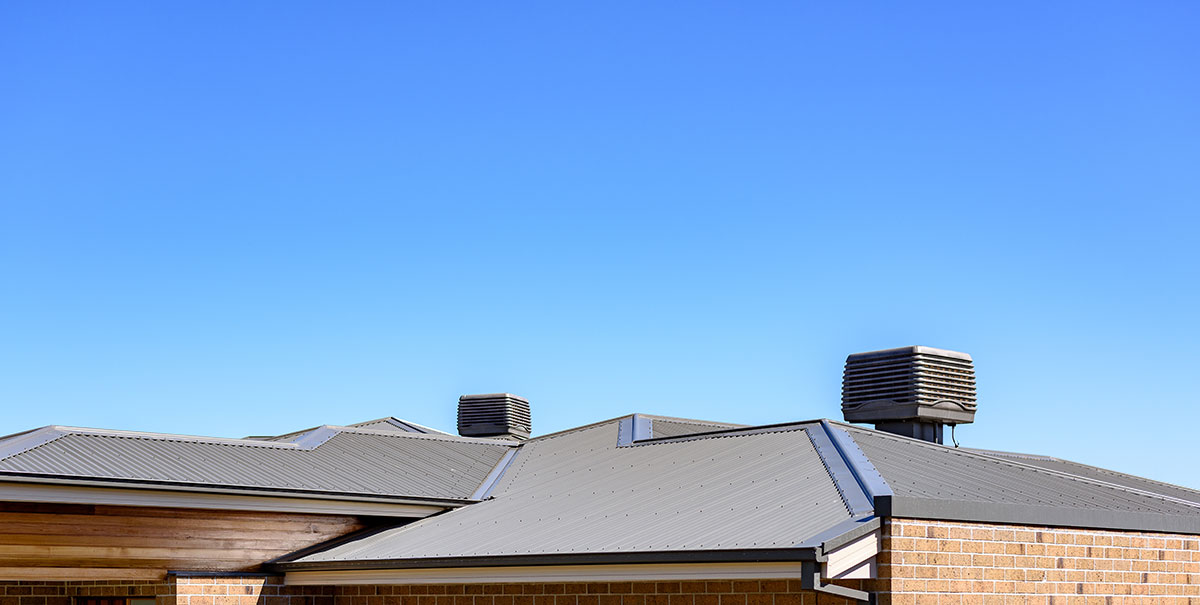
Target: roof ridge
{"x": 396, "y": 421}
{"x": 694, "y": 421}
{"x": 306, "y": 440}
{"x": 427, "y": 436}
{"x": 729, "y": 432}
{"x": 577, "y": 429}
{"x": 20, "y": 443}
{"x": 745, "y": 431}
{"x": 1030, "y": 467}
{"x": 150, "y": 435}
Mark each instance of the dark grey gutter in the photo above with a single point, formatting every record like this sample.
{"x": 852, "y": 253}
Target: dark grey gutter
{"x": 240, "y": 490}
{"x": 765, "y": 555}
{"x": 1034, "y": 514}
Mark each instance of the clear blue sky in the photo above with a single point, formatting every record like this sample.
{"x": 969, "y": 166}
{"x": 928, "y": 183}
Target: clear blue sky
{"x": 229, "y": 220}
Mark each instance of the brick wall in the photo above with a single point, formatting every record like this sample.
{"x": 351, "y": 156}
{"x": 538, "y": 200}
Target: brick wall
{"x": 174, "y": 590}
{"x": 723, "y": 592}
{"x": 63, "y": 593}
{"x": 268, "y": 590}
{"x": 247, "y": 590}
{"x": 922, "y": 562}
{"x": 935, "y": 562}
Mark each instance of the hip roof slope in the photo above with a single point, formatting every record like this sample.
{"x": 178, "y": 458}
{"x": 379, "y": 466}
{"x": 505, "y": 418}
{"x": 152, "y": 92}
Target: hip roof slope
{"x": 580, "y": 493}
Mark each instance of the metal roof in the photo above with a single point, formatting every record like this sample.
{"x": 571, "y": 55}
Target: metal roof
{"x": 662, "y": 426}
{"x": 580, "y": 493}
{"x": 391, "y": 423}
{"x": 327, "y": 459}
{"x": 941, "y": 482}
{"x": 1099, "y": 474}
{"x": 637, "y": 486}
{"x": 619, "y": 488}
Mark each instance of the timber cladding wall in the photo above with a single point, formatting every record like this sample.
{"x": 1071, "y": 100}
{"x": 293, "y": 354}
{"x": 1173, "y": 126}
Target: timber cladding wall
{"x": 70, "y": 541}
{"x": 935, "y": 562}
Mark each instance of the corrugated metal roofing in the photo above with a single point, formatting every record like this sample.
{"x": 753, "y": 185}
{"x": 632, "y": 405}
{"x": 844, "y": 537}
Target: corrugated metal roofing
{"x": 327, "y": 459}
{"x": 920, "y": 470}
{"x": 1099, "y": 474}
{"x": 578, "y": 492}
{"x": 391, "y": 423}
{"x": 675, "y": 427}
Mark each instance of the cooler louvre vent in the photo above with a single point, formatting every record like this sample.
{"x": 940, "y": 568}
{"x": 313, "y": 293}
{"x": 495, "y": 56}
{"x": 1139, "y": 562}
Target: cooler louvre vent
{"x": 500, "y": 415}
{"x": 920, "y": 384}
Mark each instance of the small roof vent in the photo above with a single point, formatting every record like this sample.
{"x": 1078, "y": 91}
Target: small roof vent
{"x": 911, "y": 391}
{"x": 498, "y": 415}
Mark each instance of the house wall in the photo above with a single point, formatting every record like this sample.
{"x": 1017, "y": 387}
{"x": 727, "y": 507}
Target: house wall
{"x": 937, "y": 562}
{"x": 246, "y": 589}
{"x": 721, "y": 592}
{"x": 921, "y": 562}
{"x": 41, "y": 541}
{"x": 269, "y": 590}
{"x": 64, "y": 593}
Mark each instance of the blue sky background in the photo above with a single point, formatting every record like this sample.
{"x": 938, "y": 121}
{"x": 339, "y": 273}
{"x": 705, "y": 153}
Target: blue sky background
{"x": 231, "y": 220}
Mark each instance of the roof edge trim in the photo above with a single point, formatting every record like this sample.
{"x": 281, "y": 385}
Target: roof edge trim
{"x": 600, "y": 558}
{"x": 552, "y": 573}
